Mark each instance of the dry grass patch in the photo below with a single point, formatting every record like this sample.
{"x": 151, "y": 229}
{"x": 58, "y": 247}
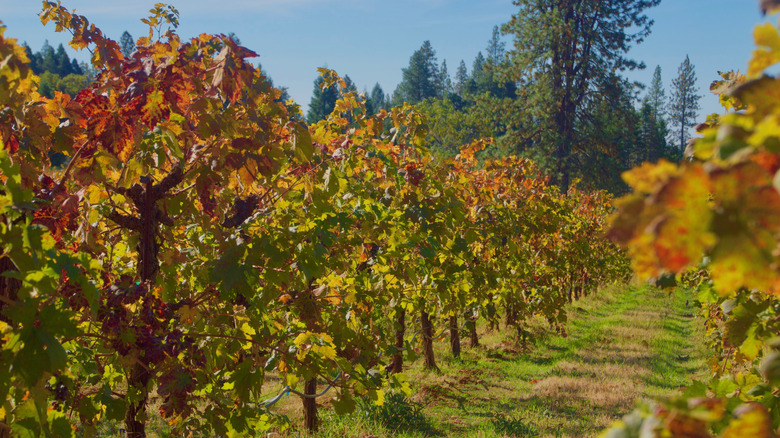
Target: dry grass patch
{"x": 601, "y": 371}
{"x": 638, "y": 315}
{"x": 632, "y": 333}
{"x": 621, "y": 353}
{"x": 615, "y": 394}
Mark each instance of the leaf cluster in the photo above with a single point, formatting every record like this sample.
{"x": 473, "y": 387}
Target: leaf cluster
{"x": 173, "y": 231}
{"x": 712, "y": 219}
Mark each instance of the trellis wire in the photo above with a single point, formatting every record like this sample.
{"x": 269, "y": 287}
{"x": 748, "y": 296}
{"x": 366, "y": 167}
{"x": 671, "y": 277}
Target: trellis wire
{"x": 287, "y": 389}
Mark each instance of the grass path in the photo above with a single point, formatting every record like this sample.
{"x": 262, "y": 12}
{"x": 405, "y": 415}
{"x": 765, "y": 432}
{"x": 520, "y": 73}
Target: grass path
{"x": 621, "y": 345}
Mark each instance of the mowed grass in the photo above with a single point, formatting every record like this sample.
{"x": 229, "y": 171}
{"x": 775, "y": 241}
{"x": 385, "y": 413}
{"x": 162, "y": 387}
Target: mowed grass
{"x": 623, "y": 344}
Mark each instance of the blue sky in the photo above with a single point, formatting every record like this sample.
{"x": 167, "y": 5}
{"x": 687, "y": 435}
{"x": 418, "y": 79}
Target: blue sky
{"x": 371, "y": 40}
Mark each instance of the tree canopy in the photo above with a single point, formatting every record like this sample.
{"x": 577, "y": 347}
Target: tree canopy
{"x": 563, "y": 51}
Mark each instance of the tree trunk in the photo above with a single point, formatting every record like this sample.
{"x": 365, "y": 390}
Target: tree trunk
{"x": 564, "y": 121}
{"x": 491, "y": 315}
{"x": 144, "y": 195}
{"x": 521, "y": 335}
{"x": 400, "y": 330}
{"x": 310, "y": 405}
{"x": 472, "y": 324}
{"x": 454, "y": 336}
{"x": 512, "y": 310}
{"x": 427, "y": 340}
{"x": 138, "y": 379}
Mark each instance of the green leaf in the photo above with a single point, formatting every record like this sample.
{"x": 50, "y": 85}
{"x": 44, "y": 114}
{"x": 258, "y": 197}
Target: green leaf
{"x": 60, "y": 426}
{"x": 427, "y": 252}
{"x": 26, "y": 428}
{"x": 57, "y": 358}
{"x": 707, "y": 295}
{"x": 696, "y": 389}
{"x": 723, "y": 387}
{"x": 115, "y": 407}
{"x": 40, "y": 353}
{"x": 304, "y": 149}
{"x": 344, "y": 403}
{"x": 742, "y": 328}
{"x": 229, "y": 270}
{"x": 247, "y": 379}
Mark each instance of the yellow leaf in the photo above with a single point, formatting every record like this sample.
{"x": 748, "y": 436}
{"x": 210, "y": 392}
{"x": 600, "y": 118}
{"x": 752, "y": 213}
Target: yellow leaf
{"x": 752, "y": 421}
{"x": 380, "y": 398}
{"x": 645, "y": 178}
{"x": 768, "y": 53}
{"x": 301, "y": 338}
{"x": 737, "y": 262}
{"x": 248, "y": 330}
{"x": 326, "y": 351}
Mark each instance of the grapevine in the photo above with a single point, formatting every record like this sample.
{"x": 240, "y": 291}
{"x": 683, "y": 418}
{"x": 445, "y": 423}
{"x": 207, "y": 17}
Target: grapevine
{"x": 712, "y": 222}
{"x": 201, "y": 239}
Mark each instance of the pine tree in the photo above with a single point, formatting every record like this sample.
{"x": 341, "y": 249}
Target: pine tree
{"x": 34, "y": 60}
{"x": 64, "y": 66}
{"x": 461, "y": 78}
{"x": 421, "y": 78}
{"x": 656, "y": 96}
{"x": 563, "y": 52}
{"x": 74, "y": 65}
{"x": 126, "y": 44}
{"x": 650, "y": 147}
{"x": 479, "y": 64}
{"x": 375, "y": 101}
{"x": 684, "y": 103}
{"x": 323, "y": 101}
{"x": 445, "y": 82}
{"x": 477, "y": 75}
{"x": 496, "y": 48}
{"x": 432, "y": 66}
{"x": 48, "y": 60}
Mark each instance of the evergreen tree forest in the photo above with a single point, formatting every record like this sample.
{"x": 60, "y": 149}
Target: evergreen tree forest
{"x": 608, "y": 124}
{"x": 57, "y": 71}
